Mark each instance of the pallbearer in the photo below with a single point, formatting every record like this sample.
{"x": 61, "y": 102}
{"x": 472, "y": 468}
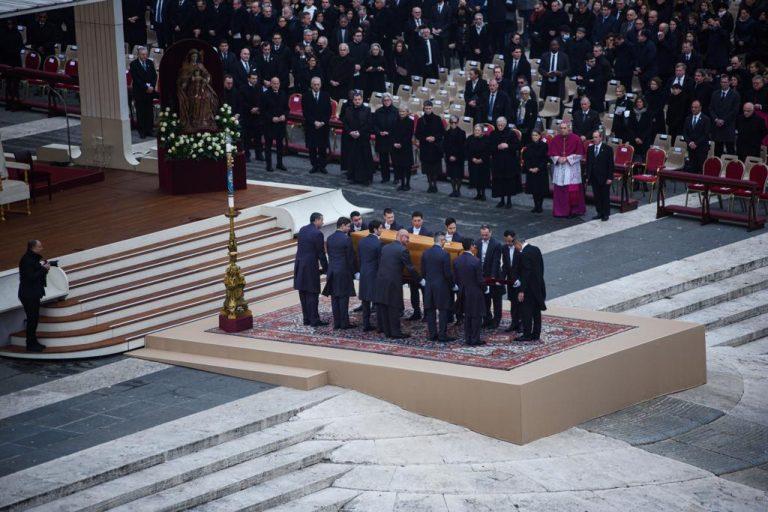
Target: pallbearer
{"x": 368, "y": 254}
{"x": 510, "y": 269}
{"x": 532, "y": 292}
{"x": 340, "y": 284}
{"x": 436, "y": 269}
{"x": 389, "y": 285}
{"x": 468, "y": 275}
{"x": 309, "y": 264}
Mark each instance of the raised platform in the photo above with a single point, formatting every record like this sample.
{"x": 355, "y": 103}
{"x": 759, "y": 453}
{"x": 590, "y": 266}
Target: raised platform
{"x": 624, "y": 360}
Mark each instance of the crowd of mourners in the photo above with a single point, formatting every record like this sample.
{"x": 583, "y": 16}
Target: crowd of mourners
{"x": 690, "y": 68}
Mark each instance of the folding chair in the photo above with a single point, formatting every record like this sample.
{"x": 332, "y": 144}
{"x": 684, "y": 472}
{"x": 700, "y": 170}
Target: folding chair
{"x": 757, "y": 173}
{"x": 712, "y": 168}
{"x": 655, "y": 158}
{"x": 551, "y": 108}
{"x": 734, "y": 170}
{"x": 663, "y": 141}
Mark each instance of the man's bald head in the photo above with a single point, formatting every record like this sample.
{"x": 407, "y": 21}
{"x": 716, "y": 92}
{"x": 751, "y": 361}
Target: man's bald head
{"x": 748, "y": 109}
{"x": 403, "y": 236}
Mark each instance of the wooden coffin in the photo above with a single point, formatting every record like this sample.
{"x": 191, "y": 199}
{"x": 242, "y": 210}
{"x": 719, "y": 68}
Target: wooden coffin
{"x": 417, "y": 244}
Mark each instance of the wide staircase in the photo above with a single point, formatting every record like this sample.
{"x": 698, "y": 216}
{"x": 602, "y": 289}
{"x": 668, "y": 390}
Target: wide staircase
{"x": 251, "y": 455}
{"x": 732, "y": 302}
{"x": 116, "y": 300}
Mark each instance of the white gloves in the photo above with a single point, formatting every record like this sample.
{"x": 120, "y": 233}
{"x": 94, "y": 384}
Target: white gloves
{"x": 487, "y": 290}
{"x": 455, "y": 287}
{"x": 423, "y": 282}
{"x": 357, "y": 276}
{"x": 517, "y": 284}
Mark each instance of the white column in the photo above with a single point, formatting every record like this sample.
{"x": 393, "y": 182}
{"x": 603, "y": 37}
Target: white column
{"x": 105, "y": 118}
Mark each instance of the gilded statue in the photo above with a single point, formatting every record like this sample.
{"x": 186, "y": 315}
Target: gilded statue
{"x": 198, "y": 102}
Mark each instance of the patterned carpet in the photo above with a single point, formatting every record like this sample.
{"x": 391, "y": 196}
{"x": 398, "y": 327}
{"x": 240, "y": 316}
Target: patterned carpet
{"x": 500, "y": 352}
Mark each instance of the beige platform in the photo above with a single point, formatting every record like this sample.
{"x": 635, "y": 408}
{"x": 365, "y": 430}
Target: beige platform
{"x": 532, "y": 401}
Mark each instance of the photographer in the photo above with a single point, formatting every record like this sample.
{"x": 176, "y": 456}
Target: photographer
{"x": 32, "y": 272}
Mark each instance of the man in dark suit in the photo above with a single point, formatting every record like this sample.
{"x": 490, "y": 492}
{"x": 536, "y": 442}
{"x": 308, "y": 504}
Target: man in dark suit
{"x": 340, "y": 281}
{"x": 310, "y": 262}
{"x": 452, "y": 231}
{"x": 228, "y": 59}
{"x": 533, "y": 291}
{"x": 604, "y": 24}
{"x": 388, "y": 220}
{"x": 268, "y": 64}
{"x": 357, "y": 222}
{"x": 427, "y": 55}
{"x": 724, "y": 109}
{"x": 388, "y": 295}
{"x": 468, "y": 276}
{"x": 436, "y": 269}
{"x": 696, "y": 130}
{"x": 144, "y": 79}
{"x": 441, "y": 19}
{"x": 691, "y": 58}
{"x": 274, "y": 107}
{"x": 586, "y": 120}
{"x": 368, "y": 255}
{"x": 478, "y": 40}
{"x": 160, "y": 17}
{"x": 553, "y": 68}
{"x": 600, "y": 173}
{"x": 416, "y": 228}
{"x": 510, "y": 268}
{"x": 32, "y": 271}
{"x": 489, "y": 253}
{"x": 250, "y": 118}
{"x": 498, "y": 105}
{"x": 475, "y": 94}
{"x": 242, "y": 68}
{"x": 517, "y": 66}
{"x": 316, "y": 108}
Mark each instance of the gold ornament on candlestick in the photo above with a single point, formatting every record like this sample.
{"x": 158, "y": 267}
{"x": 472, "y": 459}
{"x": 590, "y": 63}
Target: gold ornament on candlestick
{"x": 234, "y": 315}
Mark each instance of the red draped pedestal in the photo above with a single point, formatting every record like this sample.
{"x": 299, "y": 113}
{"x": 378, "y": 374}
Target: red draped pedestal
{"x": 193, "y": 176}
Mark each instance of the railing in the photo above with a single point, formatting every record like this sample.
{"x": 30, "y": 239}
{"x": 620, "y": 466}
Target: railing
{"x": 751, "y": 220}
{"x": 52, "y": 80}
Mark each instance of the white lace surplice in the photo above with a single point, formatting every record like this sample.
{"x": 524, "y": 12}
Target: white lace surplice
{"x": 568, "y": 173}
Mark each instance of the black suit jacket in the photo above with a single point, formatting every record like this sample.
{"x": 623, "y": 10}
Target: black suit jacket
{"x": 421, "y": 56}
{"x": 532, "y": 276}
{"x": 510, "y": 268}
{"x": 468, "y": 274}
{"x": 31, "y": 277}
{"x": 341, "y": 266}
{"x": 502, "y": 106}
{"x": 698, "y": 134}
{"x": 389, "y": 280}
{"x": 424, "y": 231}
{"x": 600, "y": 167}
{"x": 436, "y": 269}
{"x": 584, "y": 127}
{"x": 310, "y": 261}
{"x": 239, "y": 73}
{"x": 477, "y": 92}
{"x": 368, "y": 255}
{"x": 141, "y": 77}
{"x": 492, "y": 261}
{"x": 523, "y": 69}
{"x": 274, "y": 104}
{"x": 316, "y": 111}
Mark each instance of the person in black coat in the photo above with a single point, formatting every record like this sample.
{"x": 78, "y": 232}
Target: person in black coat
{"x": 429, "y": 135}
{"x": 426, "y": 55}
{"x": 677, "y": 109}
{"x": 33, "y": 269}
{"x": 242, "y": 68}
{"x": 400, "y": 66}
{"x": 553, "y": 68}
{"x": 510, "y": 269}
{"x": 402, "y": 148}
{"x": 600, "y": 174}
{"x": 525, "y": 111}
{"x": 144, "y": 79}
{"x": 751, "y": 131}
{"x": 438, "y": 277}
{"x": 230, "y": 95}
{"x": 340, "y": 282}
{"x": 250, "y": 118}
{"x": 505, "y": 163}
{"x": 453, "y": 143}
{"x": 478, "y": 43}
{"x": 489, "y": 253}
{"x": 384, "y": 121}
{"x": 516, "y": 66}
{"x": 275, "y": 110}
{"x": 134, "y": 23}
{"x": 620, "y": 120}
{"x": 533, "y": 291}
{"x": 468, "y": 276}
{"x": 497, "y": 105}
{"x": 340, "y": 73}
{"x": 388, "y": 296}
{"x": 310, "y": 262}
{"x": 374, "y": 69}
{"x": 368, "y": 255}
{"x": 696, "y": 131}
{"x": 585, "y": 120}
{"x": 535, "y": 161}
{"x": 702, "y": 89}
{"x": 478, "y": 161}
{"x": 640, "y": 127}
{"x": 723, "y": 110}
{"x": 316, "y": 109}
{"x": 11, "y": 44}
{"x": 475, "y": 95}
{"x": 358, "y": 126}
{"x": 228, "y": 57}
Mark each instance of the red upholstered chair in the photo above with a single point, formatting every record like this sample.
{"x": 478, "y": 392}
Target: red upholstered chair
{"x": 487, "y": 128}
{"x": 294, "y": 104}
{"x": 759, "y": 174}
{"x": 51, "y": 65}
{"x": 70, "y": 69}
{"x": 622, "y": 160}
{"x": 712, "y": 167}
{"x": 655, "y": 158}
{"x": 32, "y": 60}
{"x": 733, "y": 171}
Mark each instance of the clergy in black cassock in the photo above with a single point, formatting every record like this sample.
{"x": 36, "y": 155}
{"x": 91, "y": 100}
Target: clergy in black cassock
{"x": 358, "y": 126}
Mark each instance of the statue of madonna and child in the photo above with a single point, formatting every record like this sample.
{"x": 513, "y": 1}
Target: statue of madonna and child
{"x": 198, "y": 102}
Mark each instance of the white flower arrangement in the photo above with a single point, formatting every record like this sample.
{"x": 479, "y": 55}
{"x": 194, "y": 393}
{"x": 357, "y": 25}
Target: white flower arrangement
{"x": 198, "y": 146}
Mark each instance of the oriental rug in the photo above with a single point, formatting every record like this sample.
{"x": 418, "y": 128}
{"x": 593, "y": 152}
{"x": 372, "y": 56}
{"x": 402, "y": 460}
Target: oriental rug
{"x": 500, "y": 352}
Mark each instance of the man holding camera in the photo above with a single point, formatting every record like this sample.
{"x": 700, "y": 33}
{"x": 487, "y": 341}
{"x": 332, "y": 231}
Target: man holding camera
{"x": 32, "y": 272}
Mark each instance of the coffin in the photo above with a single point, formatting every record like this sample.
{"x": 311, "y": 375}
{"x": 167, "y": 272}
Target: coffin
{"x": 416, "y": 245}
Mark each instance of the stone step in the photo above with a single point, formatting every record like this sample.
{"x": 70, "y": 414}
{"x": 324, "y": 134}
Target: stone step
{"x": 279, "y": 491}
{"x": 134, "y": 486}
{"x": 327, "y": 500}
{"x": 233, "y": 479}
{"x": 730, "y": 312}
{"x": 758, "y": 347}
{"x": 66, "y": 475}
{"x": 739, "y": 333}
{"x": 686, "y": 302}
{"x": 298, "y": 378}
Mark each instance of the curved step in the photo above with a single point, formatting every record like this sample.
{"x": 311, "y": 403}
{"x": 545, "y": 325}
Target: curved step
{"x": 739, "y": 333}
{"x": 163, "y": 317}
{"x": 730, "y": 312}
{"x": 174, "y": 262}
{"x": 261, "y": 222}
{"x": 135, "y": 292}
